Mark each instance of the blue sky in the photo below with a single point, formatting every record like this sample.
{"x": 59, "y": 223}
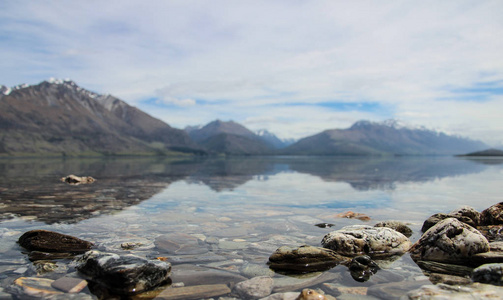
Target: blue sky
{"x": 292, "y": 67}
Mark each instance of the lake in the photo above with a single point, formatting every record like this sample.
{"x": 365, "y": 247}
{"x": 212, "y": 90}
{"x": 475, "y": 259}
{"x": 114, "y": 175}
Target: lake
{"x": 238, "y": 210}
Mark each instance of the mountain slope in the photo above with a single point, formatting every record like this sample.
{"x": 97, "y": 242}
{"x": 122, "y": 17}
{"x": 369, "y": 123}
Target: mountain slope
{"x": 229, "y": 138}
{"x": 386, "y": 138}
{"x": 59, "y": 117}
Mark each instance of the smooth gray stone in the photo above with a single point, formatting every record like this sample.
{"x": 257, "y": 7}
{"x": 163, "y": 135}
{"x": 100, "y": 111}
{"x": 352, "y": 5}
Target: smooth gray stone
{"x": 255, "y": 288}
{"x": 466, "y": 292}
{"x": 289, "y": 283}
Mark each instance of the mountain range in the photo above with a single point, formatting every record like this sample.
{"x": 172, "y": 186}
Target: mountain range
{"x": 57, "y": 117}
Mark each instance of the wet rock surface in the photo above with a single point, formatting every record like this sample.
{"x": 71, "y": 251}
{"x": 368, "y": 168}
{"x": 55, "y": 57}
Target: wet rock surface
{"x": 397, "y": 226}
{"x": 50, "y": 241}
{"x": 362, "y": 267}
{"x": 126, "y": 274}
{"x": 449, "y": 241}
{"x": 489, "y": 273}
{"x": 360, "y": 240}
{"x": 492, "y": 215}
{"x": 305, "y": 259}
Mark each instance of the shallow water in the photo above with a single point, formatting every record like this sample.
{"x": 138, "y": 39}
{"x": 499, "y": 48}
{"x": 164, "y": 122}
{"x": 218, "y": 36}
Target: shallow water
{"x": 239, "y": 209}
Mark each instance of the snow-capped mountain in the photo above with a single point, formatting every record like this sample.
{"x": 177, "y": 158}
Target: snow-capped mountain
{"x": 58, "y": 116}
{"x": 383, "y": 138}
{"x": 273, "y": 140}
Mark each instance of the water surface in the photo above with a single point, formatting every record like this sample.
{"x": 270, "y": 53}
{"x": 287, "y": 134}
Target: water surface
{"x": 240, "y": 209}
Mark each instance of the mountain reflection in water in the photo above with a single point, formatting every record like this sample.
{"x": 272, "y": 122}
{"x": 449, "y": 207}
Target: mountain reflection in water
{"x": 31, "y": 187}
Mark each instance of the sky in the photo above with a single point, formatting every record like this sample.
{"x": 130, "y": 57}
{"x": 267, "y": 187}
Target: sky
{"x": 292, "y": 67}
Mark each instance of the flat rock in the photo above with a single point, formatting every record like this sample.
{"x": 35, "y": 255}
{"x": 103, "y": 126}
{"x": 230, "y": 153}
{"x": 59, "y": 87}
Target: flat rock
{"x": 305, "y": 259}
{"x": 397, "y": 226}
{"x": 290, "y": 283}
{"x": 69, "y": 284}
{"x": 449, "y": 241}
{"x": 467, "y": 292}
{"x": 194, "y": 292}
{"x": 437, "y": 278}
{"x": 394, "y": 290}
{"x": 255, "y": 288}
{"x": 196, "y": 275}
{"x": 361, "y": 239}
{"x": 180, "y": 244}
{"x": 35, "y": 287}
{"x": 492, "y": 215}
{"x": 438, "y": 267}
{"x": 126, "y": 274}
{"x": 282, "y": 296}
{"x": 489, "y": 273}
{"x": 487, "y": 258}
{"x": 50, "y": 241}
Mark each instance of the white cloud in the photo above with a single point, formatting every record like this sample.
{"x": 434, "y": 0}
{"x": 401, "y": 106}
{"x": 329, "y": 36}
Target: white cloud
{"x": 246, "y": 60}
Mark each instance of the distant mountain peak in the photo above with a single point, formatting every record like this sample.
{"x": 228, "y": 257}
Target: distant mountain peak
{"x": 391, "y": 123}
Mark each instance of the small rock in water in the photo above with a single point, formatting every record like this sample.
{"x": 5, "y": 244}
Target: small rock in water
{"x": 353, "y": 215}
{"x": 361, "y": 239}
{"x": 194, "y": 292}
{"x": 50, "y": 241}
{"x": 449, "y": 241}
{"x": 309, "y": 294}
{"x": 362, "y": 267}
{"x": 180, "y": 243}
{"x": 324, "y": 225}
{"x": 126, "y": 274}
{"x": 255, "y": 288}
{"x": 305, "y": 259}
{"x": 76, "y": 180}
{"x": 489, "y": 273}
{"x": 492, "y": 215}
{"x": 397, "y": 226}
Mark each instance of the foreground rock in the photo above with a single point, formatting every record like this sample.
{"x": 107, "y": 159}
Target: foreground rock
{"x": 449, "y": 241}
{"x": 465, "y": 214}
{"x": 50, "y": 241}
{"x": 123, "y": 274}
{"x": 361, "y": 239}
{"x": 492, "y": 215}
{"x": 444, "y": 291}
{"x": 305, "y": 259}
{"x": 76, "y": 180}
{"x": 489, "y": 273}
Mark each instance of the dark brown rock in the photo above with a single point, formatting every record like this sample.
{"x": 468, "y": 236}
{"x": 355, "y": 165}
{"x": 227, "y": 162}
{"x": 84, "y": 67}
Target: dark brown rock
{"x": 464, "y": 214}
{"x": 305, "y": 259}
{"x": 493, "y": 233}
{"x": 397, "y": 226}
{"x": 50, "y": 241}
{"x": 492, "y": 215}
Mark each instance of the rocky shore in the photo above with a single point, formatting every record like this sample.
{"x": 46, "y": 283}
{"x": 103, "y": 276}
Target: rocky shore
{"x": 460, "y": 254}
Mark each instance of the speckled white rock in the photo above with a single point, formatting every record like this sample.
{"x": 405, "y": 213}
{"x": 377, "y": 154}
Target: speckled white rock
{"x": 449, "y": 241}
{"x": 362, "y": 239}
